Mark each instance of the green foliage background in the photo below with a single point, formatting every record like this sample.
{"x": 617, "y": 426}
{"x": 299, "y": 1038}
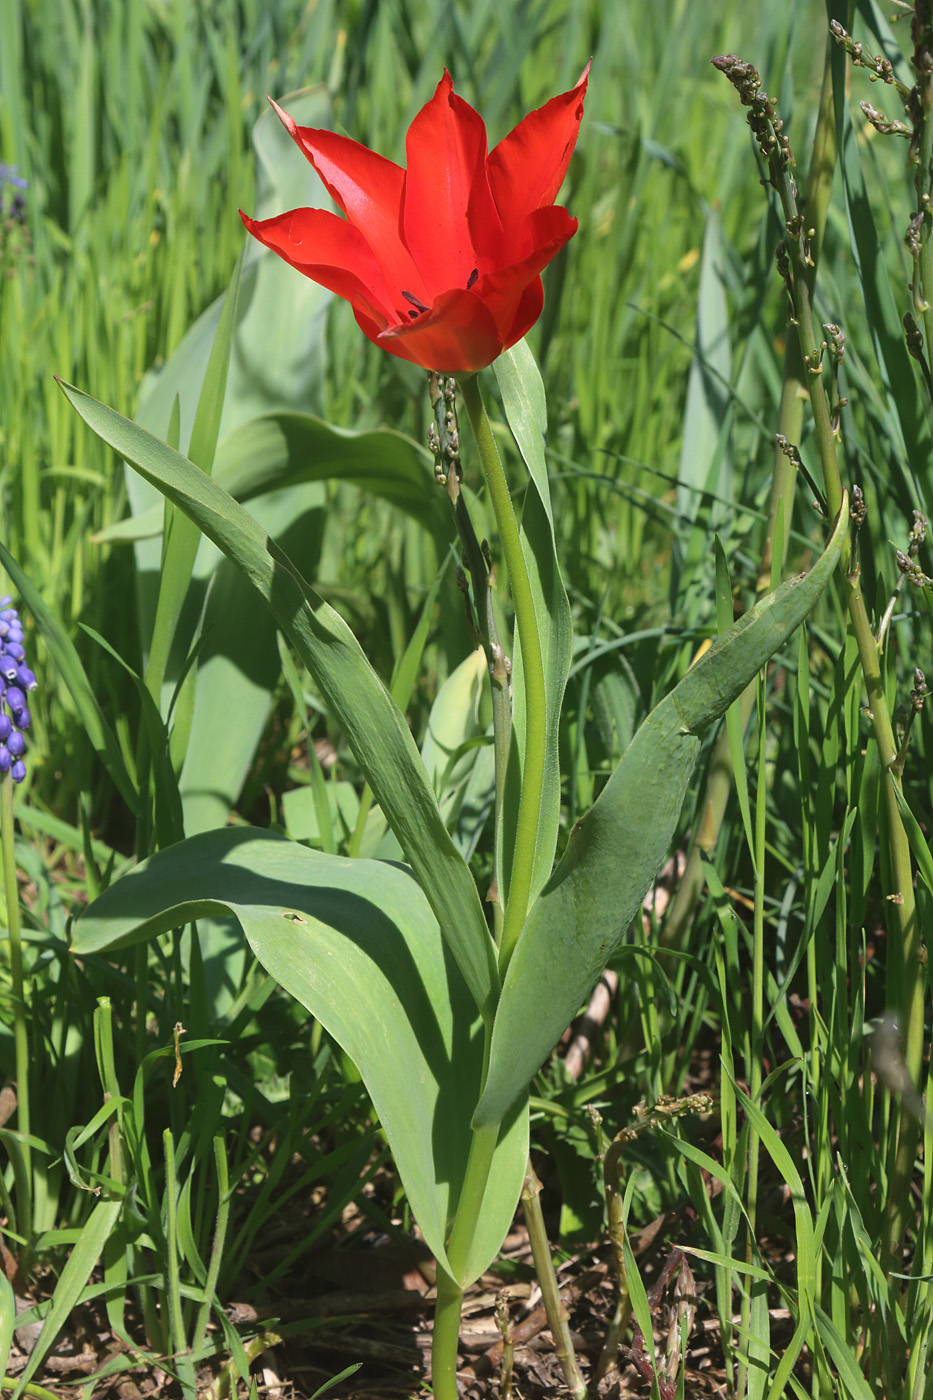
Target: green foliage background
{"x": 662, "y": 346}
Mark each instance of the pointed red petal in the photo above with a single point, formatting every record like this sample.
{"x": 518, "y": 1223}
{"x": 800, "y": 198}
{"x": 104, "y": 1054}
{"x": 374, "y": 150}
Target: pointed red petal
{"x": 331, "y": 252}
{"x": 528, "y": 166}
{"x": 368, "y": 188}
{"x": 450, "y": 217}
{"x": 529, "y": 308}
{"x": 513, "y": 295}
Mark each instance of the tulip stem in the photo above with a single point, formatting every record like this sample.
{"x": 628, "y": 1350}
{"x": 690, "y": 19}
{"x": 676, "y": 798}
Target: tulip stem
{"x": 447, "y": 1309}
{"x": 526, "y": 826}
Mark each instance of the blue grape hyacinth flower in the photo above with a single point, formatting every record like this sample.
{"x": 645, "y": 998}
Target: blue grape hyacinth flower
{"x": 16, "y": 680}
{"x": 17, "y": 205}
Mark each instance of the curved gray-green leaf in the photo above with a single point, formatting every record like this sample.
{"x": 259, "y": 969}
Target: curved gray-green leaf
{"x": 523, "y": 399}
{"x": 278, "y": 450}
{"x": 355, "y": 942}
{"x": 615, "y": 851}
{"x": 375, "y": 727}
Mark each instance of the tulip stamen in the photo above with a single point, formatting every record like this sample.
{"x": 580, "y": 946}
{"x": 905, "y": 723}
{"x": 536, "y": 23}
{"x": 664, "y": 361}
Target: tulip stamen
{"x": 418, "y": 305}
{"x": 472, "y": 278}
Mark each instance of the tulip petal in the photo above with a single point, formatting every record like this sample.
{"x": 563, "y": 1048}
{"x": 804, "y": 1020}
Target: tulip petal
{"x": 368, "y": 188}
{"x": 505, "y": 291}
{"x": 528, "y": 166}
{"x": 529, "y": 308}
{"x": 331, "y": 252}
{"x": 450, "y": 219}
{"x": 457, "y": 336}
{"x": 441, "y": 262}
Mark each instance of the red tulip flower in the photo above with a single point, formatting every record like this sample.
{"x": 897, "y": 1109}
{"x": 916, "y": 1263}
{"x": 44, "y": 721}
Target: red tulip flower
{"x": 441, "y": 262}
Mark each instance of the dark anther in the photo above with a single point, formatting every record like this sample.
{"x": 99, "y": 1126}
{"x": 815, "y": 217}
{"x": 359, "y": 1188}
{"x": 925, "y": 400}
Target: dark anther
{"x": 414, "y": 315}
{"x": 418, "y": 305}
{"x": 470, "y": 280}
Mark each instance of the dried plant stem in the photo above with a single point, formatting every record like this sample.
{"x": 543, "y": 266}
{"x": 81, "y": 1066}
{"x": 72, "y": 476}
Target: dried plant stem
{"x": 796, "y": 269}
{"x": 783, "y": 485}
{"x": 612, "y": 1175}
{"x": 557, "y": 1316}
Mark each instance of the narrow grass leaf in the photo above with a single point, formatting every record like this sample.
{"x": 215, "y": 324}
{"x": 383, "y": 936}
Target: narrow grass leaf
{"x": 857, "y": 1387}
{"x": 182, "y": 536}
{"x": 7, "y": 1321}
{"x": 71, "y": 1283}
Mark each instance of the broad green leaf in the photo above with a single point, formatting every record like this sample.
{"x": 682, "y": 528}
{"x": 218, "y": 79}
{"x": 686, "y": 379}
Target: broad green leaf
{"x": 374, "y": 726}
{"x": 524, "y": 403}
{"x": 278, "y": 354}
{"x": 303, "y": 821}
{"x": 449, "y": 751}
{"x": 279, "y": 449}
{"x": 276, "y": 450}
{"x": 615, "y": 851}
{"x": 239, "y": 663}
{"x": 405, "y": 673}
{"x": 705, "y": 464}
{"x": 356, "y": 943}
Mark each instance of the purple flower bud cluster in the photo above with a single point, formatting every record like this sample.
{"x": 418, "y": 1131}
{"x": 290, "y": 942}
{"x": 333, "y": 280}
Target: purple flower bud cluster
{"x": 16, "y": 209}
{"x": 16, "y": 680}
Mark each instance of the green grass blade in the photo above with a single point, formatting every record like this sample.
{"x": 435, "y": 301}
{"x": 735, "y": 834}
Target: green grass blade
{"x": 73, "y": 1279}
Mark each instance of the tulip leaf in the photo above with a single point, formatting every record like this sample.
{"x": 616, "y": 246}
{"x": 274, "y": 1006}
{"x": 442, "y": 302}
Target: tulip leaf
{"x": 273, "y": 460}
{"x": 523, "y": 400}
{"x": 375, "y": 727}
{"x": 356, "y": 943}
{"x": 278, "y": 449}
{"x": 615, "y": 851}
{"x": 705, "y": 465}
{"x": 277, "y": 361}
{"x": 451, "y": 748}
{"x": 238, "y": 662}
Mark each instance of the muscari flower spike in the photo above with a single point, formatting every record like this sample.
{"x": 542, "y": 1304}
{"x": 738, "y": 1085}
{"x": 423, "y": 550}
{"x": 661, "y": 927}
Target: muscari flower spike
{"x": 17, "y": 205}
{"x": 16, "y": 680}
